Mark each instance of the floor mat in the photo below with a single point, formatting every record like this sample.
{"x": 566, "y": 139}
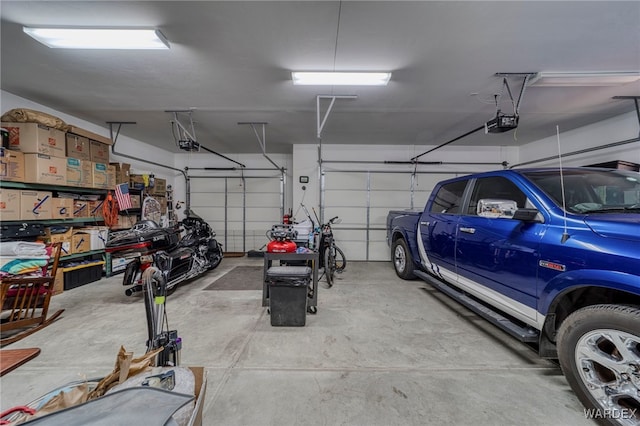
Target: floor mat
{"x": 239, "y": 278}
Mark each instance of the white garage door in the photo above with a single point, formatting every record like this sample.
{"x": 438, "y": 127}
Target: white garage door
{"x": 362, "y": 200}
{"x": 240, "y": 210}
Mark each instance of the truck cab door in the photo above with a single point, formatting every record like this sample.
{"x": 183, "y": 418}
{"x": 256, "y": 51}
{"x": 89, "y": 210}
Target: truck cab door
{"x": 496, "y": 255}
{"x": 437, "y": 229}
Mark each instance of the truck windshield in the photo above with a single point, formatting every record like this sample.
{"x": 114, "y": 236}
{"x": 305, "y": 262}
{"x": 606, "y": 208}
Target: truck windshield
{"x": 591, "y": 190}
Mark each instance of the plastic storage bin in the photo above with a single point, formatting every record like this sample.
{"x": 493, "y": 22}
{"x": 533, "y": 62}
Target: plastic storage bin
{"x": 83, "y": 274}
{"x": 288, "y": 287}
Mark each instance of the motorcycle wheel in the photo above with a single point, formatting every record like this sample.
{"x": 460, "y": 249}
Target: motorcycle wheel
{"x": 215, "y": 260}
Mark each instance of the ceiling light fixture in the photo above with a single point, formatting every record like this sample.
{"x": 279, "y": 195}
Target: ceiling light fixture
{"x": 577, "y": 79}
{"x": 99, "y": 38}
{"x": 340, "y": 78}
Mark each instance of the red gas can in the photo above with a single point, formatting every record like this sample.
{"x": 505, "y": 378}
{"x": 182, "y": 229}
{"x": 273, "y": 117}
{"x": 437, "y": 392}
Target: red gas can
{"x": 286, "y": 246}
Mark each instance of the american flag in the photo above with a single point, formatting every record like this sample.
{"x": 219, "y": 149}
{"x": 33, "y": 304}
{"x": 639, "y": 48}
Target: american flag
{"x": 123, "y": 196}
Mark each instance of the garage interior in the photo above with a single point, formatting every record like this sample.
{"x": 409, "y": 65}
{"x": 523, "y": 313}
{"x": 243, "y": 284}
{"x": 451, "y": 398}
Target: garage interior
{"x": 380, "y": 350}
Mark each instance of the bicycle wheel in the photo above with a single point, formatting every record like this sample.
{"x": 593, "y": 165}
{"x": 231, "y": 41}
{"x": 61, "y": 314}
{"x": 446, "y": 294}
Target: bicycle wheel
{"x": 340, "y": 260}
{"x": 329, "y": 265}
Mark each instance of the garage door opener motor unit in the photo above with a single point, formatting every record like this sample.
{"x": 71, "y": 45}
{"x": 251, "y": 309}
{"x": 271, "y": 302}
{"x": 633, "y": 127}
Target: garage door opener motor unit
{"x": 505, "y": 122}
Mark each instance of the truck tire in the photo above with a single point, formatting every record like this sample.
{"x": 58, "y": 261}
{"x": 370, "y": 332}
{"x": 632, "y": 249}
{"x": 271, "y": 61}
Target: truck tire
{"x": 599, "y": 353}
{"x": 402, "y": 261}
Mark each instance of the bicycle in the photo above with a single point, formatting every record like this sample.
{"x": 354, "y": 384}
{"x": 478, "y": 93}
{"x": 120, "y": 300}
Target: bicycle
{"x": 332, "y": 258}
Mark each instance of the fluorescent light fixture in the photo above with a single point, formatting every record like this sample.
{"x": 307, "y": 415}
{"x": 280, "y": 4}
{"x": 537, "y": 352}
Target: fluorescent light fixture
{"x": 340, "y": 78}
{"x": 569, "y": 79}
{"x": 99, "y": 38}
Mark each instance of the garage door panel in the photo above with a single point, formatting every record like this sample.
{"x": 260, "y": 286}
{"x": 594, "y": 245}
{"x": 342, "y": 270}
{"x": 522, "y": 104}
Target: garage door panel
{"x": 263, "y": 200}
{"x": 234, "y": 200}
{"x": 252, "y": 207}
{"x": 390, "y": 199}
{"x": 345, "y": 198}
{"x": 378, "y": 217}
{"x": 354, "y": 250}
{"x": 390, "y": 181}
{"x": 428, "y": 181}
{"x": 263, "y": 185}
{"x": 351, "y": 216}
{"x": 420, "y": 198}
{"x": 345, "y": 180}
{"x": 206, "y": 185}
{"x": 379, "y": 251}
{"x": 209, "y": 213}
{"x": 348, "y": 235}
{"x": 262, "y": 215}
{"x": 235, "y": 185}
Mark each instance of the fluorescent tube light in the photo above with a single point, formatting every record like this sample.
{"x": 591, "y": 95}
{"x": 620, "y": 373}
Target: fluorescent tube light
{"x": 568, "y": 79}
{"x": 340, "y": 78}
{"x": 99, "y": 38}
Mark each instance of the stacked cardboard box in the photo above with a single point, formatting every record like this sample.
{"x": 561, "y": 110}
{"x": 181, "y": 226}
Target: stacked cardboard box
{"x": 9, "y": 204}
{"x": 11, "y": 165}
{"x": 122, "y": 172}
{"x": 36, "y": 139}
{"x": 35, "y": 205}
{"x": 61, "y": 208}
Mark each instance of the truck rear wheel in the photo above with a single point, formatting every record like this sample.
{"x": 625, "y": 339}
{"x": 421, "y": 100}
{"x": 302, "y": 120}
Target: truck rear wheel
{"x": 599, "y": 352}
{"x": 401, "y": 258}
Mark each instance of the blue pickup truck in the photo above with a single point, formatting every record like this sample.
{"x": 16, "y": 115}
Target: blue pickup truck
{"x": 552, "y": 257}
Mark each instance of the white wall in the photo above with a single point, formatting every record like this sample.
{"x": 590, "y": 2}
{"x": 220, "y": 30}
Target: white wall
{"x": 621, "y": 128}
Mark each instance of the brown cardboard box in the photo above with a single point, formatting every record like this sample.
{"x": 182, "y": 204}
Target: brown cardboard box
{"x": 163, "y": 203}
{"x": 136, "y": 200}
{"x": 36, "y": 138}
{"x": 61, "y": 208}
{"x": 95, "y": 209}
{"x": 80, "y": 208}
{"x": 80, "y": 242}
{"x": 11, "y": 165}
{"x": 111, "y": 177}
{"x": 40, "y": 168}
{"x": 9, "y": 204}
{"x": 78, "y": 147}
{"x": 160, "y": 187}
{"x": 63, "y": 237}
{"x": 35, "y": 205}
{"x": 58, "y": 283}
{"x": 136, "y": 181}
{"x": 79, "y": 173}
{"x": 99, "y": 152}
{"x": 89, "y": 135}
{"x": 122, "y": 172}
{"x": 126, "y": 222}
{"x": 99, "y": 173}
{"x": 200, "y": 375}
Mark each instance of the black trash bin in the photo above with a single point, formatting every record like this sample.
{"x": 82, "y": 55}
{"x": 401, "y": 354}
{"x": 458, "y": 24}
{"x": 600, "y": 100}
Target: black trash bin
{"x": 288, "y": 287}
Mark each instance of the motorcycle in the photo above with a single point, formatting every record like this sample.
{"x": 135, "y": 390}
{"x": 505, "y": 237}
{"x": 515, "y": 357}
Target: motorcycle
{"x": 189, "y": 257}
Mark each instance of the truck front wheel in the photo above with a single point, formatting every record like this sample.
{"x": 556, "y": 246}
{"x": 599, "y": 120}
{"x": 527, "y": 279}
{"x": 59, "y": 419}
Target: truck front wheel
{"x": 401, "y": 258}
{"x": 599, "y": 352}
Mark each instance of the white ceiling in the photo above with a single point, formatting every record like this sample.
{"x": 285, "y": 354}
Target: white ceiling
{"x": 231, "y": 61}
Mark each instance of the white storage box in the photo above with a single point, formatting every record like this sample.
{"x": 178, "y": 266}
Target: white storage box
{"x": 99, "y": 235}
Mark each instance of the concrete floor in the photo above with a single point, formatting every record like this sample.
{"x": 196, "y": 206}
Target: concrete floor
{"x": 380, "y": 351}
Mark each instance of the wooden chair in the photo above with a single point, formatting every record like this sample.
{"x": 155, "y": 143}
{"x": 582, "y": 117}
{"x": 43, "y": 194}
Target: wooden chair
{"x": 25, "y": 303}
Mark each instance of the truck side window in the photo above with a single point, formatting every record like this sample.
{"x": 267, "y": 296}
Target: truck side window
{"x": 495, "y": 188}
{"x": 449, "y": 198}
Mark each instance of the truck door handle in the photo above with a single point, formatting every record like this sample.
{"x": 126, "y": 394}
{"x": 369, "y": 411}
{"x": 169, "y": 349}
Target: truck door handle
{"x": 468, "y": 230}
{"x": 424, "y": 223}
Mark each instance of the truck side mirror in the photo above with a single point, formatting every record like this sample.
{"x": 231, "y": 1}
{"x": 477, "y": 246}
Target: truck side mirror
{"x": 496, "y": 208}
{"x": 527, "y": 215}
